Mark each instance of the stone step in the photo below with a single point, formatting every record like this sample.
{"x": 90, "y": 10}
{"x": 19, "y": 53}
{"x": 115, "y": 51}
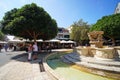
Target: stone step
{"x": 90, "y": 65}
{"x": 65, "y": 60}
{"x": 94, "y": 60}
{"x": 100, "y": 67}
{"x": 102, "y": 62}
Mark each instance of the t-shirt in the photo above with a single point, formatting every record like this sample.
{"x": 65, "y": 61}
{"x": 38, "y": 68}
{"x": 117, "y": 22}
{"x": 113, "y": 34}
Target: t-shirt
{"x": 30, "y": 48}
{"x": 35, "y": 47}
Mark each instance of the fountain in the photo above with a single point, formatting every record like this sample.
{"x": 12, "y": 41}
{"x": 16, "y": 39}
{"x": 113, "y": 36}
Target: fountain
{"x": 96, "y": 48}
{"x": 95, "y": 59}
{"x": 96, "y": 39}
{"x": 104, "y": 59}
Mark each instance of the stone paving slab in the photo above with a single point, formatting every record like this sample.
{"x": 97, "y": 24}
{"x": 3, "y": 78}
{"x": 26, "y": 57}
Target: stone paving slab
{"x": 21, "y": 69}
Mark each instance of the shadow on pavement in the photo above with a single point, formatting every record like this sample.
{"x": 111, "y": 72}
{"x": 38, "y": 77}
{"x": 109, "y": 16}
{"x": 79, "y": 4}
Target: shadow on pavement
{"x": 24, "y": 57}
{"x": 19, "y": 56}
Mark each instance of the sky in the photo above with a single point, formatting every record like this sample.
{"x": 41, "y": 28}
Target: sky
{"x": 66, "y": 12}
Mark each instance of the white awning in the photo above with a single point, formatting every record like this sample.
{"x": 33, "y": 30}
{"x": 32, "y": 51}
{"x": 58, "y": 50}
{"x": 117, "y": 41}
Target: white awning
{"x": 2, "y": 42}
{"x": 15, "y": 41}
{"x": 63, "y": 41}
{"x": 53, "y": 40}
{"x": 70, "y": 41}
{"x": 40, "y": 40}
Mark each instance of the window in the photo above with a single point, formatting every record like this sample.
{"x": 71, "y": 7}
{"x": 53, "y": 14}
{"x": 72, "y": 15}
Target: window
{"x": 66, "y": 36}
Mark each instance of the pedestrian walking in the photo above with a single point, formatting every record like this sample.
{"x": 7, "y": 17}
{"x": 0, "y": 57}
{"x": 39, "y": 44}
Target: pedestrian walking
{"x": 0, "y": 47}
{"x": 30, "y": 49}
{"x": 6, "y": 47}
{"x": 35, "y": 51}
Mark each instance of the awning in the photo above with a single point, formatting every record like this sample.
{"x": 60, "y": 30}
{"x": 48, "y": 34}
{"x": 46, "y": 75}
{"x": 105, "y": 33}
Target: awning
{"x": 3, "y": 42}
{"x": 15, "y": 41}
{"x": 53, "y": 40}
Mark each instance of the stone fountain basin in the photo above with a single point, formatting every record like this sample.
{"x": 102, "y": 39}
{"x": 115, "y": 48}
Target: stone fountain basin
{"x": 84, "y": 51}
{"x": 105, "y": 53}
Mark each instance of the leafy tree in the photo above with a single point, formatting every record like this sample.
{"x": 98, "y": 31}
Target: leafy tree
{"x": 110, "y": 25}
{"x": 1, "y": 34}
{"x": 30, "y": 21}
{"x": 9, "y": 16}
{"x": 79, "y": 31}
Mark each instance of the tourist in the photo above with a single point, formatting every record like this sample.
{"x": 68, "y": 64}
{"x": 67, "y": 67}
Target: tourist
{"x": 6, "y": 47}
{"x": 35, "y": 51}
{"x": 0, "y": 47}
{"x": 15, "y": 48}
{"x": 30, "y": 49}
{"x": 39, "y": 48}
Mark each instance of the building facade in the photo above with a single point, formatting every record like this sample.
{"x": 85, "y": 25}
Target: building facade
{"x": 63, "y": 34}
{"x": 117, "y": 9}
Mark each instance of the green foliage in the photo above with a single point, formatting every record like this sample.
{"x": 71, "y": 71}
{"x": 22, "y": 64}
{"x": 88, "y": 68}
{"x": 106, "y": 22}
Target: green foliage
{"x": 1, "y": 35}
{"x": 79, "y": 31}
{"x": 110, "y": 25}
{"x": 30, "y": 22}
{"x": 9, "y": 16}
